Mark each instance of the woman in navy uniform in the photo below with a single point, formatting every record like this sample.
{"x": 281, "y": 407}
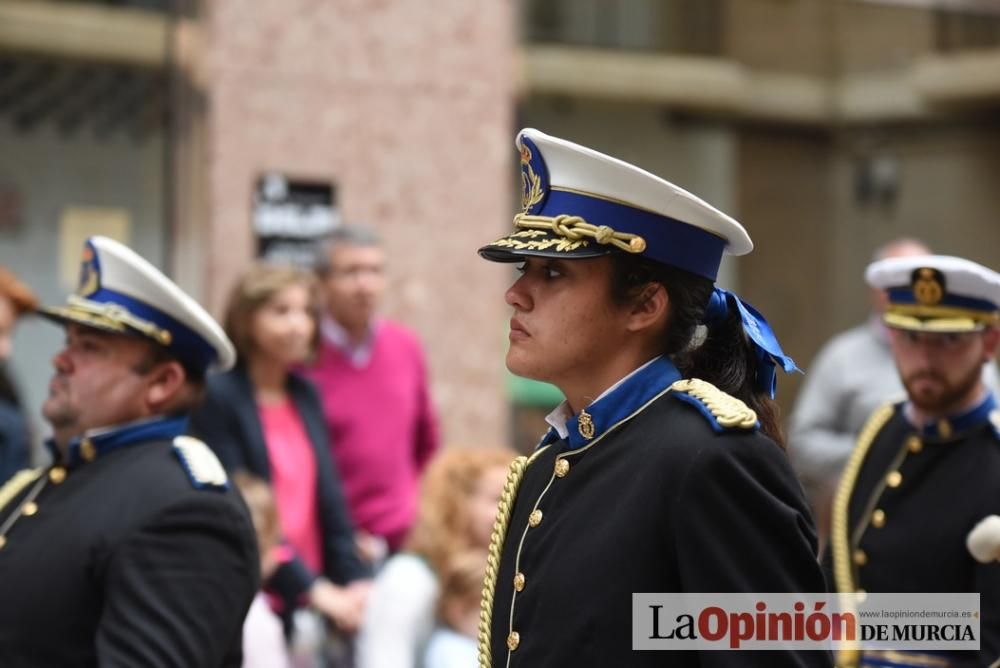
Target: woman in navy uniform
{"x": 663, "y": 470}
{"x": 924, "y": 472}
{"x": 131, "y": 549}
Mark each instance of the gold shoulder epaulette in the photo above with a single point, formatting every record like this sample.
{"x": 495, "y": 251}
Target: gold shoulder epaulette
{"x": 723, "y": 410}
{"x": 16, "y": 484}
{"x": 202, "y": 466}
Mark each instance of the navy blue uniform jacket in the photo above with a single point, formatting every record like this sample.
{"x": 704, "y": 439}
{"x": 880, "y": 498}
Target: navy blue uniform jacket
{"x": 119, "y": 558}
{"x": 645, "y": 495}
{"x": 917, "y": 495}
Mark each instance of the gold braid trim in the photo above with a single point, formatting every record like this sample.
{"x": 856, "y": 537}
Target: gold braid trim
{"x": 940, "y": 311}
{"x": 728, "y": 411}
{"x": 576, "y": 228}
{"x": 935, "y": 324}
{"x": 840, "y": 531}
{"x": 17, "y": 483}
{"x": 109, "y": 316}
{"x": 504, "y": 508}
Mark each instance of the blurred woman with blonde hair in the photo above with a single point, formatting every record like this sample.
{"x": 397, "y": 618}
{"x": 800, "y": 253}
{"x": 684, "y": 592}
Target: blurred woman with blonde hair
{"x": 16, "y": 300}
{"x": 458, "y": 500}
{"x": 263, "y": 418}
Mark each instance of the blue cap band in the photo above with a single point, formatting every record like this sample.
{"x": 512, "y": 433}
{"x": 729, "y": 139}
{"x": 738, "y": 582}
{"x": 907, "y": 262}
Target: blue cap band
{"x": 185, "y": 344}
{"x": 668, "y": 240}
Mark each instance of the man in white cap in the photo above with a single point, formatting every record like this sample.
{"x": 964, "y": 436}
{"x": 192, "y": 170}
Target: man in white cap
{"x": 131, "y": 549}
{"x": 925, "y": 470}
{"x": 852, "y": 374}
{"x": 662, "y": 471}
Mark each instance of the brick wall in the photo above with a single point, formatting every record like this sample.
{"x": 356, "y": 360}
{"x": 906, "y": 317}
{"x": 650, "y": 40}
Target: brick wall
{"x": 407, "y": 107}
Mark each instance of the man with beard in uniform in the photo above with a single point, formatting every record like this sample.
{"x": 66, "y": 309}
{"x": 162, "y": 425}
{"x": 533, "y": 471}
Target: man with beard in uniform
{"x": 131, "y": 549}
{"x": 925, "y": 471}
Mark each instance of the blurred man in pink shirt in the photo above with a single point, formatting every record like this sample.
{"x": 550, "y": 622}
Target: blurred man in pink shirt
{"x": 372, "y": 379}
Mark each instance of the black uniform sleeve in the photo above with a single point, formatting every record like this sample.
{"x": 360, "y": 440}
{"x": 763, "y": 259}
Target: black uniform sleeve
{"x": 744, "y": 526}
{"x": 177, "y": 590}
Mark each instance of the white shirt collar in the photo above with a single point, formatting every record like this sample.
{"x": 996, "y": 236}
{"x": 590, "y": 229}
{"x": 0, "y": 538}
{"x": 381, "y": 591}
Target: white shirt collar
{"x": 337, "y": 336}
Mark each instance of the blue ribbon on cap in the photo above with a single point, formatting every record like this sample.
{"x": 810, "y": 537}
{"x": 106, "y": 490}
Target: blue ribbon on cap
{"x": 766, "y": 346}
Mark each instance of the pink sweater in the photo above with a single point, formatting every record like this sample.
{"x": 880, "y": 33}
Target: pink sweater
{"x": 382, "y": 427}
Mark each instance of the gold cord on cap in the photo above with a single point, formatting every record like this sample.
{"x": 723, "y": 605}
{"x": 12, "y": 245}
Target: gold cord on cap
{"x": 576, "y": 228}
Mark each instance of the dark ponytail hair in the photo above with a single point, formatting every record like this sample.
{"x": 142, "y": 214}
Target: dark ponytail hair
{"x": 725, "y": 358}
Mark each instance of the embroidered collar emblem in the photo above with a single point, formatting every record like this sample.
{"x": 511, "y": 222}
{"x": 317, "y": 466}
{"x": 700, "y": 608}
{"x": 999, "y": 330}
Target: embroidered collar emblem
{"x": 585, "y": 425}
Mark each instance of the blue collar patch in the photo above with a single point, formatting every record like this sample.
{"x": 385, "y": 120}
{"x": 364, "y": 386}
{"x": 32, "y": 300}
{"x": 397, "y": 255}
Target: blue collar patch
{"x": 89, "y": 447}
{"x": 946, "y": 428}
{"x": 607, "y": 412}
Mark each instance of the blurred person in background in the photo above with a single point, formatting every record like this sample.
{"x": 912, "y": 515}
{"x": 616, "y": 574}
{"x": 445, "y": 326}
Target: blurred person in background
{"x": 853, "y": 374}
{"x": 925, "y": 468}
{"x": 663, "y": 470}
{"x": 16, "y": 300}
{"x": 263, "y": 418}
{"x": 453, "y": 642}
{"x": 264, "y": 643}
{"x": 459, "y": 494}
{"x": 132, "y": 548}
{"x": 372, "y": 379}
